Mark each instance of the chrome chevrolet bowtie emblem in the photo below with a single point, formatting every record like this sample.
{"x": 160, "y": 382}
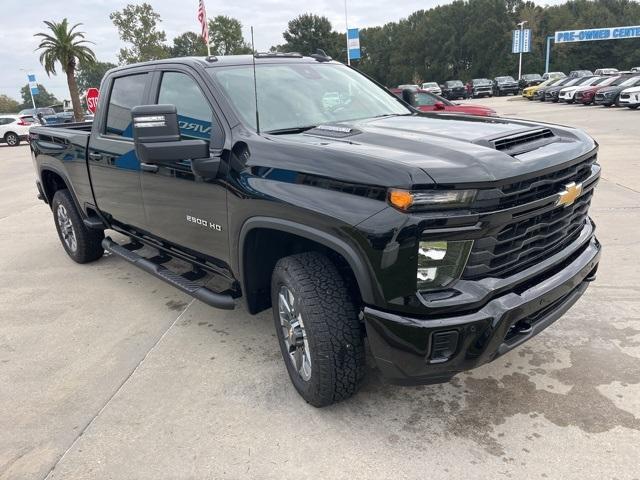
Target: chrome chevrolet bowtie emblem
{"x": 569, "y": 194}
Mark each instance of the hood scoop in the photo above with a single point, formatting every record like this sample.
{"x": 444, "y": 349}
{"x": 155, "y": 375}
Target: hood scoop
{"x": 524, "y": 142}
{"x": 333, "y": 131}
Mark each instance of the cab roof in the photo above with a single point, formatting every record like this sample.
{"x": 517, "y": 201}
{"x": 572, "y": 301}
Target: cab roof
{"x": 229, "y": 60}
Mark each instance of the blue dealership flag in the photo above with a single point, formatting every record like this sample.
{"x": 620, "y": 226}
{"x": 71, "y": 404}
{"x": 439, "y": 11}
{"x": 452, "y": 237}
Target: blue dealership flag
{"x": 521, "y": 41}
{"x": 33, "y": 85}
{"x": 353, "y": 43}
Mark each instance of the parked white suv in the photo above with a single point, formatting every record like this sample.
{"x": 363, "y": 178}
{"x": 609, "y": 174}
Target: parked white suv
{"x": 567, "y": 94}
{"x": 630, "y": 97}
{"x": 432, "y": 87}
{"x": 14, "y": 128}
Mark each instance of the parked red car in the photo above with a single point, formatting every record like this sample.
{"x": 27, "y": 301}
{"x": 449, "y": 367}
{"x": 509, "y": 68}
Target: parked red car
{"x": 428, "y": 102}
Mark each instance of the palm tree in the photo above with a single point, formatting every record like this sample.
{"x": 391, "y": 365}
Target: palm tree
{"x": 65, "y": 46}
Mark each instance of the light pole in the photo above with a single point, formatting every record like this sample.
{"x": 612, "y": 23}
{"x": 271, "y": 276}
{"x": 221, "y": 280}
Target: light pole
{"x": 521, "y": 25}
{"x": 346, "y": 23}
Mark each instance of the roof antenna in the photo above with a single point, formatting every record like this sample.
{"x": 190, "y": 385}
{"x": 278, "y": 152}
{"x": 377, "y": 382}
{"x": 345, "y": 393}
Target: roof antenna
{"x": 255, "y": 83}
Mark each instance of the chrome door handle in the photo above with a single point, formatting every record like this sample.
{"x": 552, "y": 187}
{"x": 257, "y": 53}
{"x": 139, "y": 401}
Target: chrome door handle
{"x": 148, "y": 167}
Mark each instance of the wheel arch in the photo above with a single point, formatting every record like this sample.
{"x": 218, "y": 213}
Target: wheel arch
{"x": 54, "y": 180}
{"x": 279, "y": 234}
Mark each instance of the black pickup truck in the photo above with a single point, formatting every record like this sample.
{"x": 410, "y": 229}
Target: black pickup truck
{"x": 445, "y": 241}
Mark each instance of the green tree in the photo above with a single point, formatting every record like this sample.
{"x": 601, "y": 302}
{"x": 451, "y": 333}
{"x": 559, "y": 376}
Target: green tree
{"x": 188, "y": 44}
{"x": 138, "y": 26}
{"x": 308, "y": 32}
{"x": 68, "y": 48}
{"x": 90, "y": 75}
{"x": 225, "y": 36}
{"x": 8, "y": 104}
{"x": 42, "y": 99}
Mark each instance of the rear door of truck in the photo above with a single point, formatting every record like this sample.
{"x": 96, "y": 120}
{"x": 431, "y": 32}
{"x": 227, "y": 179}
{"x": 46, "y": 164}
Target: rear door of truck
{"x": 113, "y": 164}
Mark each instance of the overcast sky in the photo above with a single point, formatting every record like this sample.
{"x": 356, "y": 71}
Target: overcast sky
{"x": 268, "y": 17}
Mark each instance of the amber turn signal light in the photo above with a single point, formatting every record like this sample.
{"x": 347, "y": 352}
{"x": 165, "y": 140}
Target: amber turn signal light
{"x": 400, "y": 199}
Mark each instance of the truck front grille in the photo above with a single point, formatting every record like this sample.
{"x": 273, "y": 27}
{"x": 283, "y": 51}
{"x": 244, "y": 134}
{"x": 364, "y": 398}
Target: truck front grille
{"x": 531, "y": 189}
{"x": 522, "y": 244}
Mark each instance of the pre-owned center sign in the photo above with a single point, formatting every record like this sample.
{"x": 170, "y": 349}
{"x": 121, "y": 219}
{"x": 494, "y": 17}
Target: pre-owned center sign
{"x": 613, "y": 33}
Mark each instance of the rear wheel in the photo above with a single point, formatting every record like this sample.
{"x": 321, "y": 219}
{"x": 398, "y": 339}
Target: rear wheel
{"x": 318, "y": 328}
{"x": 12, "y": 139}
{"x": 82, "y": 244}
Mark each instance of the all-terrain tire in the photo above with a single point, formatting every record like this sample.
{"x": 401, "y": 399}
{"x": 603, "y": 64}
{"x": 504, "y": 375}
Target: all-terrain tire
{"x": 332, "y": 328}
{"x": 82, "y": 244}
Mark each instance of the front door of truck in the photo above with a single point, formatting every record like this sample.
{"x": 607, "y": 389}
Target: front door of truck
{"x": 113, "y": 164}
{"x": 180, "y": 207}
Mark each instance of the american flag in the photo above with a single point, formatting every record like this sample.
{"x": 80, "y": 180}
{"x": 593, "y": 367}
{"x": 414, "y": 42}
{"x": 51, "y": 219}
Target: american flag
{"x": 202, "y": 18}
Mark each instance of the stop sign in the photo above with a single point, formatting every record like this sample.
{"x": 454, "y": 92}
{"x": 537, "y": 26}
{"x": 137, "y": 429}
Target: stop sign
{"x": 92, "y": 99}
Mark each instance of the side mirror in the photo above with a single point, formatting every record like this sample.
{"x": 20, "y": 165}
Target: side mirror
{"x": 439, "y": 106}
{"x": 156, "y": 136}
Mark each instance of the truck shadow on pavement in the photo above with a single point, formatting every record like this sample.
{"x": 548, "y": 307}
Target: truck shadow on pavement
{"x": 575, "y": 374}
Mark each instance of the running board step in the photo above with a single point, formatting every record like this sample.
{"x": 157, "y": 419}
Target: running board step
{"x": 203, "y": 294}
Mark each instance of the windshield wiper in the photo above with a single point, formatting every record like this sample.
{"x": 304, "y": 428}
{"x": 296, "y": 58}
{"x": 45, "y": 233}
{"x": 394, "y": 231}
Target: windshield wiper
{"x": 290, "y": 130}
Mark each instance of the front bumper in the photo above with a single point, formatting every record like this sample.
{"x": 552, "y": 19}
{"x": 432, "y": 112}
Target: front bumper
{"x": 604, "y": 100}
{"x": 410, "y": 350}
{"x": 482, "y": 91}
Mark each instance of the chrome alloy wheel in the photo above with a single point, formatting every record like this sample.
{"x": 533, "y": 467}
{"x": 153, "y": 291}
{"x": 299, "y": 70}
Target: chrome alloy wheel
{"x": 66, "y": 228}
{"x": 294, "y": 334}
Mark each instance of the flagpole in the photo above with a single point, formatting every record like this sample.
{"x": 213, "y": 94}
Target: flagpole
{"x": 32, "y": 100}
{"x": 346, "y": 23}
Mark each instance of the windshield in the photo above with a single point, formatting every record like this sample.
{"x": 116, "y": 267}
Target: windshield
{"x": 430, "y": 85}
{"x": 531, "y": 76}
{"x": 584, "y": 81}
{"x": 304, "y": 95}
{"x": 454, "y": 83}
{"x": 481, "y": 81}
{"x": 629, "y": 81}
{"x": 504, "y": 79}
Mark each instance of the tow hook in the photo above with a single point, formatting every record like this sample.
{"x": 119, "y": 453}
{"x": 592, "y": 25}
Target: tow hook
{"x": 522, "y": 327}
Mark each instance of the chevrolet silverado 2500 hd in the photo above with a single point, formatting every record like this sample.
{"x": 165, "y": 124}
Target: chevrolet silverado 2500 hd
{"x": 444, "y": 240}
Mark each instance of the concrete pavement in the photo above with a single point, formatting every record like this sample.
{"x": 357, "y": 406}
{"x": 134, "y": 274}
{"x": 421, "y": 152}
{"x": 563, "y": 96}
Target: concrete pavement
{"x": 107, "y": 373}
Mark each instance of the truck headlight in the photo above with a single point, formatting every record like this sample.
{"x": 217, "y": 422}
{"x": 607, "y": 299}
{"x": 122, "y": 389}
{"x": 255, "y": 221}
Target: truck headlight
{"x": 441, "y": 262}
{"x": 430, "y": 199}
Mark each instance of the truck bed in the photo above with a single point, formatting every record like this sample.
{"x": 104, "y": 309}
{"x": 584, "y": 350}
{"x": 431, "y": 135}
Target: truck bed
{"x": 63, "y": 148}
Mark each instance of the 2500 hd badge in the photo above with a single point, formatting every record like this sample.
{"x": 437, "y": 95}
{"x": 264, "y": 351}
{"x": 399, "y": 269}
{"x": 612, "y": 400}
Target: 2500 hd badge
{"x": 204, "y": 223}
{"x": 444, "y": 241}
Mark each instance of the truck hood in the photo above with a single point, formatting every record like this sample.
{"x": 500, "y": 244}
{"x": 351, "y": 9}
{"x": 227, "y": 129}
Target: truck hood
{"x": 407, "y": 150}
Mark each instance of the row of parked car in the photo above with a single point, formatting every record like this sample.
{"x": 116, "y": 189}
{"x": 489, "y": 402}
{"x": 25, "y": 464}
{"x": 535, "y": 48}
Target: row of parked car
{"x": 15, "y": 128}
{"x": 480, "y": 87}
{"x": 621, "y": 89}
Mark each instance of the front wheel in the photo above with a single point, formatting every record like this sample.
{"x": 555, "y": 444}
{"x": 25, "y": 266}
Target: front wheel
{"x": 12, "y": 139}
{"x": 318, "y": 328}
{"x": 82, "y": 244}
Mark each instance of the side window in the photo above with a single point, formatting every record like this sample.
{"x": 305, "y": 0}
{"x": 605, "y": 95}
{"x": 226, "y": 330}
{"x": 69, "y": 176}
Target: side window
{"x": 195, "y": 117}
{"x": 126, "y": 93}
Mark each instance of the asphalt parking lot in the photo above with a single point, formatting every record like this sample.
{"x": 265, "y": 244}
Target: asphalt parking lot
{"x": 108, "y": 373}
